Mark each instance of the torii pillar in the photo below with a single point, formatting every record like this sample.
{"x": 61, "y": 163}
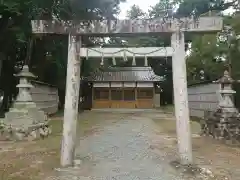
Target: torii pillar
{"x": 181, "y": 98}
{"x": 204, "y": 25}
{"x": 71, "y": 101}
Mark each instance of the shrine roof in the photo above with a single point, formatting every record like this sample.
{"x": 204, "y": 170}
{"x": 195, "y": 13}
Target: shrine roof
{"x": 126, "y": 74}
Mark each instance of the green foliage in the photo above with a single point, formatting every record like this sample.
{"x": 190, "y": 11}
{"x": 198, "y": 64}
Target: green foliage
{"x": 199, "y": 7}
{"x": 135, "y": 13}
{"x": 164, "y": 8}
{"x": 213, "y": 56}
{"x": 203, "y": 57}
{"x": 16, "y": 30}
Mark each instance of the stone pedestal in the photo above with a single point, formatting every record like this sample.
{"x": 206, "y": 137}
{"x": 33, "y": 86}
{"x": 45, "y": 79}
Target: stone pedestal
{"x": 224, "y": 123}
{"x": 24, "y": 121}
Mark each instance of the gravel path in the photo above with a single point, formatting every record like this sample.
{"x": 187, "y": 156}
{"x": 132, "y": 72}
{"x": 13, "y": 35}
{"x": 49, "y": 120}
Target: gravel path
{"x": 122, "y": 150}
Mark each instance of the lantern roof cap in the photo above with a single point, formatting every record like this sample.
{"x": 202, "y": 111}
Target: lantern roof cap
{"x": 25, "y": 73}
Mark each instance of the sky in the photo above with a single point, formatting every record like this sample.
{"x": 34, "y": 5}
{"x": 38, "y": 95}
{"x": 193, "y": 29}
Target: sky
{"x": 143, "y": 4}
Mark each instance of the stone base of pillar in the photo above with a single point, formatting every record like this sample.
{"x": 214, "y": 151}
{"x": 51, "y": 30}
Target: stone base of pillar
{"x": 193, "y": 170}
{"x": 24, "y": 124}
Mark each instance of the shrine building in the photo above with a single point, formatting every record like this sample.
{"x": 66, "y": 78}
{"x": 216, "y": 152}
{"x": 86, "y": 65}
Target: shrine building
{"x": 125, "y": 87}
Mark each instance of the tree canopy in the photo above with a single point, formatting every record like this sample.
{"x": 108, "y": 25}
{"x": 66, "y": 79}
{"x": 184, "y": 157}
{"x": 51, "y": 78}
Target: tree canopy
{"x": 46, "y": 55}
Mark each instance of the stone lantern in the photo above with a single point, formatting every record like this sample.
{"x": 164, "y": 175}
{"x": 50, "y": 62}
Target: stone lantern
{"x": 24, "y": 120}
{"x": 24, "y": 98}
{"x": 224, "y": 123}
{"x": 226, "y": 103}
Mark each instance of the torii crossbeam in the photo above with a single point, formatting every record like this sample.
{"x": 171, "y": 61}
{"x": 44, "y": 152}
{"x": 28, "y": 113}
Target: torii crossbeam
{"x": 175, "y": 27}
{"x": 121, "y": 27}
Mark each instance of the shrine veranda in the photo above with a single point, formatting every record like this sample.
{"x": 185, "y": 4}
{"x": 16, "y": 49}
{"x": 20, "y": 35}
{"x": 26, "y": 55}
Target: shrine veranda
{"x": 172, "y": 26}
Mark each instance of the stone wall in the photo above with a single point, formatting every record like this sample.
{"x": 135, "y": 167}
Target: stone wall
{"x": 202, "y": 97}
{"x": 45, "y": 96}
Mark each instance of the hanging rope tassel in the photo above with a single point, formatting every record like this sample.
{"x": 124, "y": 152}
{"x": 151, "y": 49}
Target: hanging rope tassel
{"x": 166, "y": 55}
{"x": 134, "y": 60}
{"x": 114, "y": 60}
{"x": 102, "y": 60}
{"x": 125, "y": 56}
{"x": 145, "y": 61}
{"x": 87, "y": 54}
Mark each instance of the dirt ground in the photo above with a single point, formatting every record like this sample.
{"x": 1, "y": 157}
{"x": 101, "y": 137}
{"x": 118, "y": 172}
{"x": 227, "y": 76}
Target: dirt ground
{"x": 221, "y": 159}
{"x": 37, "y": 160}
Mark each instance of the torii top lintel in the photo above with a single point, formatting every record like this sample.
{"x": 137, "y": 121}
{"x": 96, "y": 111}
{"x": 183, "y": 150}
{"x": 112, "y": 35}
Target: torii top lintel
{"x": 121, "y": 27}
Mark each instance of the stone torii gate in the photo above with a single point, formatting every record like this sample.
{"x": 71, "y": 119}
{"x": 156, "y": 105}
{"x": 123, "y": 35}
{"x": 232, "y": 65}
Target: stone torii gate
{"x": 175, "y": 27}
